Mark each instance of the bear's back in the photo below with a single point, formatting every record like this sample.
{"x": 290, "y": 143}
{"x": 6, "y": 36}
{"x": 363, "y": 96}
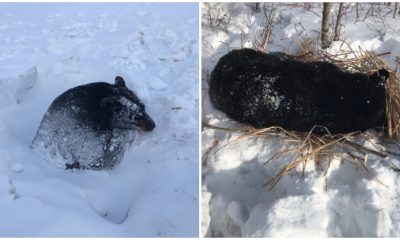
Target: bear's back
{"x": 83, "y": 103}
{"x": 268, "y": 89}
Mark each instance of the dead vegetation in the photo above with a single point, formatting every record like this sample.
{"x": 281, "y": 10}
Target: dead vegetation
{"x": 264, "y": 34}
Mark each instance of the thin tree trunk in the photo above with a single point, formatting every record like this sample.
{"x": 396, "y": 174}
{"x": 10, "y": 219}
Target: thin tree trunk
{"x": 357, "y": 10}
{"x": 256, "y": 7}
{"x": 338, "y": 19}
{"x": 325, "y": 25}
{"x": 395, "y": 10}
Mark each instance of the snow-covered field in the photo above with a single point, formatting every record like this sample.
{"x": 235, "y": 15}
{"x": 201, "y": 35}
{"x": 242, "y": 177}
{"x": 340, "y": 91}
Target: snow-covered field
{"x": 344, "y": 201}
{"x": 46, "y": 49}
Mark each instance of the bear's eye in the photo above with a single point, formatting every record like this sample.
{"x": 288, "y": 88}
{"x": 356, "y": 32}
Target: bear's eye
{"x": 140, "y": 105}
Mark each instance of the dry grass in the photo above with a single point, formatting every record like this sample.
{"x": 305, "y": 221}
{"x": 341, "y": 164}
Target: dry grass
{"x": 310, "y": 147}
{"x": 324, "y": 149}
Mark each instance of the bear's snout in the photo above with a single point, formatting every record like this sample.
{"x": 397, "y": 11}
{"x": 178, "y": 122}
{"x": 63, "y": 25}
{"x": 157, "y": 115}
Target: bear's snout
{"x": 146, "y": 123}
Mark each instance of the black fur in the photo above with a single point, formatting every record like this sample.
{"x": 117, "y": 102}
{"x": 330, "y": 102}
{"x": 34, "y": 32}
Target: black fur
{"x": 90, "y": 126}
{"x": 270, "y": 90}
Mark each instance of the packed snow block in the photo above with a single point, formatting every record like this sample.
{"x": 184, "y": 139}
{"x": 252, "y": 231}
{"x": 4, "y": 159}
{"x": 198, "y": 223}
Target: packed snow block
{"x": 275, "y": 90}
{"x": 26, "y": 82}
{"x": 91, "y": 126}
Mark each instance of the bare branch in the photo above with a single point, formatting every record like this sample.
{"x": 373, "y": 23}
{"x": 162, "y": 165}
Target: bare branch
{"x": 337, "y": 27}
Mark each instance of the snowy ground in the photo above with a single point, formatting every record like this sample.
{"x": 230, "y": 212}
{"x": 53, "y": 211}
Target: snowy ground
{"x": 154, "y": 191}
{"x": 343, "y": 202}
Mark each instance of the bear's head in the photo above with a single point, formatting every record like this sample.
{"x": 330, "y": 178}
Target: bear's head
{"x": 379, "y": 77}
{"x": 128, "y": 112}
{"x": 370, "y": 102}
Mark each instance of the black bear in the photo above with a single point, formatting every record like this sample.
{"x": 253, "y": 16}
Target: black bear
{"x": 90, "y": 126}
{"x": 275, "y": 90}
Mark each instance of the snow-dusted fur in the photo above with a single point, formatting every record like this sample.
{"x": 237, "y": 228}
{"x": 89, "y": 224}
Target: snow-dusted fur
{"x": 272, "y": 89}
{"x": 90, "y": 126}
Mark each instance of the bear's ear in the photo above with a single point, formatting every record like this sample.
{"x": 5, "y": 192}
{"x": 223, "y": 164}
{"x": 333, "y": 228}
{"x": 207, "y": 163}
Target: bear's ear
{"x": 119, "y": 81}
{"x": 383, "y": 74}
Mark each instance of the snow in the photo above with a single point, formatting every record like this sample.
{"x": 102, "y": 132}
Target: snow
{"x": 48, "y": 48}
{"x": 343, "y": 201}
